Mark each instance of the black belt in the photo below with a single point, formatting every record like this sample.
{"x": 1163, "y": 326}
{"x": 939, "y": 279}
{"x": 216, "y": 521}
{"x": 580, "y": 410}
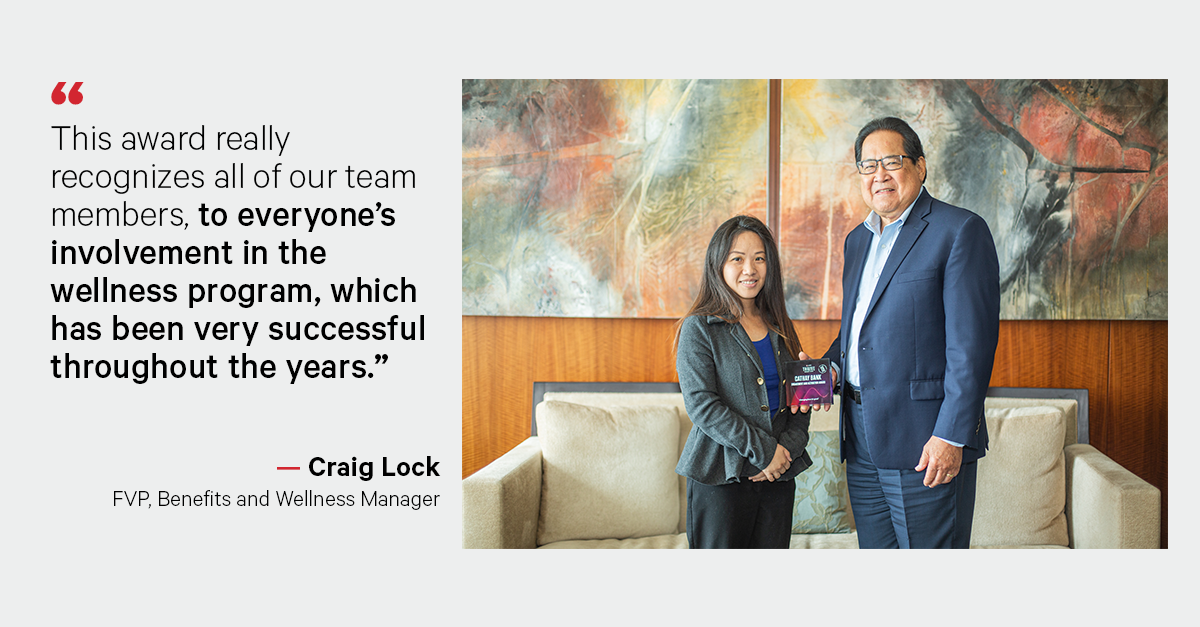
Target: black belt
{"x": 852, "y": 394}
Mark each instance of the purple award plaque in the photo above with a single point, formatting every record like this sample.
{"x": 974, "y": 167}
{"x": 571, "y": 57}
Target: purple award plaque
{"x": 809, "y": 381}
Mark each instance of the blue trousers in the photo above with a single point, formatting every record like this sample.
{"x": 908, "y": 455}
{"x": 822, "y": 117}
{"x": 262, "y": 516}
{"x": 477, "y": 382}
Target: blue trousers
{"x": 894, "y": 510}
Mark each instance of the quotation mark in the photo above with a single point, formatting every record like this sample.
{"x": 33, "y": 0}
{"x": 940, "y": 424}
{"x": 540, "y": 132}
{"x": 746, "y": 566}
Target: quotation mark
{"x": 379, "y": 359}
{"x": 58, "y": 97}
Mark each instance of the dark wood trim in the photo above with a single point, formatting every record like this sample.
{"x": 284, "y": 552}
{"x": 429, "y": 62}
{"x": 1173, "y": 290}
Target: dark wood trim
{"x": 607, "y": 387}
{"x": 774, "y": 89}
{"x": 540, "y": 388}
{"x": 1080, "y": 396}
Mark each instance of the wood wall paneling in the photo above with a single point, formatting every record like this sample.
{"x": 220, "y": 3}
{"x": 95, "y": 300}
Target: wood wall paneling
{"x": 1056, "y": 354}
{"x": 1135, "y": 435}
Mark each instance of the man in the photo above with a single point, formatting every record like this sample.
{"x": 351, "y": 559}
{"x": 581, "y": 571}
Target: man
{"x": 920, "y": 322}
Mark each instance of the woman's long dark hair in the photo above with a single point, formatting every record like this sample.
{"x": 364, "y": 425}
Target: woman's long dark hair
{"x": 717, "y": 299}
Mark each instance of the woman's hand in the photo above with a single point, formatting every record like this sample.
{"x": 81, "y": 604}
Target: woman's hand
{"x": 779, "y": 465}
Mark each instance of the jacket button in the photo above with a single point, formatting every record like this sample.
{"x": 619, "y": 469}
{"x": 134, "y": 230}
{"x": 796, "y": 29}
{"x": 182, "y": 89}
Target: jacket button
{"x": 760, "y": 381}
{"x": 765, "y": 408}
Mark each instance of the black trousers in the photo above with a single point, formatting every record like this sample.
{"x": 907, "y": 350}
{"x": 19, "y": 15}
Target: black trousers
{"x": 744, "y": 515}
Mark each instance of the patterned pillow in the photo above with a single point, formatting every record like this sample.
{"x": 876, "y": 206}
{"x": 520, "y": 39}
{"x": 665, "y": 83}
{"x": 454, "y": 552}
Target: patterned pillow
{"x": 821, "y": 489}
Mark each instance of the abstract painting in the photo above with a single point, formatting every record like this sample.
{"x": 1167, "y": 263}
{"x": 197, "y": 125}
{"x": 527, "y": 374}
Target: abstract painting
{"x": 1071, "y": 177}
{"x": 596, "y": 198}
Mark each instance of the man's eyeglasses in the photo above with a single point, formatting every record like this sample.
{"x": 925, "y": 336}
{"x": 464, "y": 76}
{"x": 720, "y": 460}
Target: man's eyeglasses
{"x": 890, "y": 162}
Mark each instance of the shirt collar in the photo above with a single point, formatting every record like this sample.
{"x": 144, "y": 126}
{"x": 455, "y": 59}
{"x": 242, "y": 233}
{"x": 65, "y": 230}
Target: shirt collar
{"x": 873, "y": 220}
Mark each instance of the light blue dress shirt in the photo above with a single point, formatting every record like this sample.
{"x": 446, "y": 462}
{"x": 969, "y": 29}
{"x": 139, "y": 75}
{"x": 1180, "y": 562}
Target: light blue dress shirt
{"x": 881, "y": 247}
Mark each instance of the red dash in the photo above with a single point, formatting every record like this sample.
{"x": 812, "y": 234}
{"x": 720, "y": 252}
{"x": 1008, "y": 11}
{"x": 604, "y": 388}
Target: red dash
{"x": 287, "y": 468}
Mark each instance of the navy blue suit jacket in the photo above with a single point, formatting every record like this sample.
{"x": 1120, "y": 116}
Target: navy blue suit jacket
{"x": 928, "y": 341}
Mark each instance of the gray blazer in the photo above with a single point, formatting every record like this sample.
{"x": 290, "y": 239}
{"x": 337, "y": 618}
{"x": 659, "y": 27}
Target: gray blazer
{"x": 732, "y": 433}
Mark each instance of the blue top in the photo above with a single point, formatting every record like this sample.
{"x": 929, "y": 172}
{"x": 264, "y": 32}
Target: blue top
{"x": 766, "y": 354}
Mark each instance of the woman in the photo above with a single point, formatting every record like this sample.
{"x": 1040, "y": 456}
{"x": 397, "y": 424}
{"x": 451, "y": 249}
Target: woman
{"x": 743, "y": 452}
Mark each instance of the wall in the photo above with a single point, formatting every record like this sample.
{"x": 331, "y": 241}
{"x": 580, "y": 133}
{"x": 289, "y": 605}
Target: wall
{"x": 1123, "y": 364}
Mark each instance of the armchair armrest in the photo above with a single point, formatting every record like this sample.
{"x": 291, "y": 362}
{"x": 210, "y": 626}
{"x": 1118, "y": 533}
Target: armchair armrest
{"x": 1108, "y": 506}
{"x": 502, "y": 500}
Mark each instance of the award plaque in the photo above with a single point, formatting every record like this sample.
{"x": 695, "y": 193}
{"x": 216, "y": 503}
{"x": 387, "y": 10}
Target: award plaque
{"x": 809, "y": 382}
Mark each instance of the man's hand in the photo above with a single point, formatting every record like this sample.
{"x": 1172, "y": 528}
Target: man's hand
{"x": 779, "y": 465}
{"x": 940, "y": 460}
{"x": 826, "y": 406}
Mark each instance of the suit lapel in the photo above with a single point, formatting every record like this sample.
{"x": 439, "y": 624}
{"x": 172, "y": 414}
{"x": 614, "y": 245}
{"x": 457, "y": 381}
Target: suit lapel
{"x": 909, "y": 233}
{"x": 743, "y": 340}
{"x": 856, "y": 259}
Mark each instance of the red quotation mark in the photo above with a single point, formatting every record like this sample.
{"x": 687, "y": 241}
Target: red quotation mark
{"x": 58, "y": 97}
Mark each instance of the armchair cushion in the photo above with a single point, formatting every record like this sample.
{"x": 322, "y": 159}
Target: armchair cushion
{"x": 1024, "y": 476}
{"x": 607, "y": 473}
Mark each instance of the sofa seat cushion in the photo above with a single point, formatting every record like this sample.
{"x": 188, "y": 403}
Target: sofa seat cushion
{"x": 824, "y": 540}
{"x": 671, "y": 541}
{"x": 1021, "y": 490}
{"x": 607, "y": 473}
{"x": 1021, "y": 546}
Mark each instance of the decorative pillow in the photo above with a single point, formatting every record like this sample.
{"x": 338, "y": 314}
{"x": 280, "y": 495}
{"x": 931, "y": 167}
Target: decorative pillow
{"x": 821, "y": 489}
{"x": 1021, "y": 491}
{"x": 607, "y": 473}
